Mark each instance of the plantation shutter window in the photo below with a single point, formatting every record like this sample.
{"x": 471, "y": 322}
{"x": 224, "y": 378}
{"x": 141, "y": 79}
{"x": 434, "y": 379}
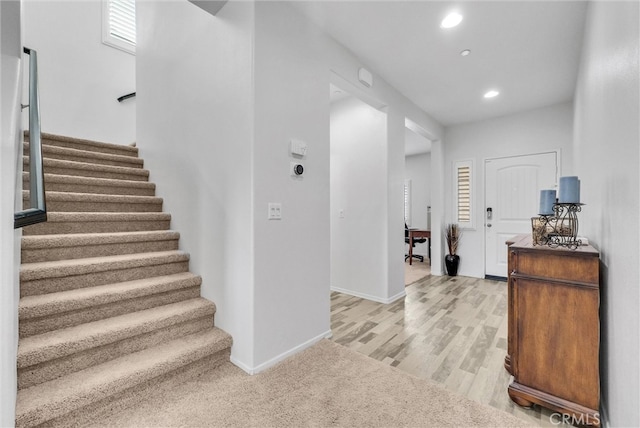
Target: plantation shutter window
{"x": 119, "y": 24}
{"x": 464, "y": 194}
{"x": 462, "y": 177}
{"x": 407, "y": 202}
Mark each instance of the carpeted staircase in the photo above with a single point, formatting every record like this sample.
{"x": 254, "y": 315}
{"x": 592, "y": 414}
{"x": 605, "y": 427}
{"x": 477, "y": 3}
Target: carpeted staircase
{"x": 108, "y": 307}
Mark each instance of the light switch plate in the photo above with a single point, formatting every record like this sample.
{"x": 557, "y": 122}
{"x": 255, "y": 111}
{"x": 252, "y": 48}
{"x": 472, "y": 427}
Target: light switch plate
{"x": 275, "y": 211}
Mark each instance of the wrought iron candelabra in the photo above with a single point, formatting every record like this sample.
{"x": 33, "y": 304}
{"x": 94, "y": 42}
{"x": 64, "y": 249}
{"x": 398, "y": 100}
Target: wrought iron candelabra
{"x": 559, "y": 229}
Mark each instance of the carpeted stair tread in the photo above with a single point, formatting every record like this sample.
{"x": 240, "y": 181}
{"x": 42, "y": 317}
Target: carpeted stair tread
{"x": 77, "y": 155}
{"x": 94, "y": 202}
{"x": 139, "y": 266}
{"x": 83, "y": 169}
{"x": 65, "y": 268}
{"x": 81, "y": 239}
{"x": 60, "y": 343}
{"x": 72, "y": 300}
{"x": 41, "y": 248}
{"x": 62, "y": 141}
{"x": 58, "y": 397}
{"x": 87, "y": 222}
{"x": 46, "y": 312}
{"x": 78, "y": 184}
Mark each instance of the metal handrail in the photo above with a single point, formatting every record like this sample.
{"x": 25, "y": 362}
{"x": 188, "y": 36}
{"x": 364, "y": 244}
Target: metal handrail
{"x": 125, "y": 97}
{"x": 37, "y": 211}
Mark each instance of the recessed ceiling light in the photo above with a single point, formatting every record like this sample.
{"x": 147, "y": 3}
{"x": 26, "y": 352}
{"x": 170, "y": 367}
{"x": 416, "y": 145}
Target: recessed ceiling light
{"x": 491, "y": 94}
{"x": 451, "y": 20}
{"x": 465, "y": 52}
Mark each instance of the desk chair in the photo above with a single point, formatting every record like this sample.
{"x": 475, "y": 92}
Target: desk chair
{"x": 415, "y": 241}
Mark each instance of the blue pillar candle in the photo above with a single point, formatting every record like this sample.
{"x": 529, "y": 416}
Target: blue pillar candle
{"x": 569, "y": 192}
{"x": 547, "y": 199}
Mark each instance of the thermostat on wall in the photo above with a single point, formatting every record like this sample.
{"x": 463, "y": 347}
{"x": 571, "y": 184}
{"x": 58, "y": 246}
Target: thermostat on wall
{"x": 296, "y": 169}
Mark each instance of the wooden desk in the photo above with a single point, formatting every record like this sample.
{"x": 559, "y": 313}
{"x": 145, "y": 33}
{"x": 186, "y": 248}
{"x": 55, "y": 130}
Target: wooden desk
{"x": 417, "y": 233}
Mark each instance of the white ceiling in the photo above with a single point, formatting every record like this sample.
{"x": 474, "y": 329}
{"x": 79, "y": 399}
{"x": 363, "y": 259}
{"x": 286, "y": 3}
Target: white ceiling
{"x": 528, "y": 50}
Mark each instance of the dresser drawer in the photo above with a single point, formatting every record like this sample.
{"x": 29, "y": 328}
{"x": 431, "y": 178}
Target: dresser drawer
{"x": 576, "y": 267}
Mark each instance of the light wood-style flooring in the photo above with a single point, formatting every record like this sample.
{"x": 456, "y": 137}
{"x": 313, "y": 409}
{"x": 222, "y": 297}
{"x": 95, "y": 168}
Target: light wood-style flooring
{"x": 450, "y": 330}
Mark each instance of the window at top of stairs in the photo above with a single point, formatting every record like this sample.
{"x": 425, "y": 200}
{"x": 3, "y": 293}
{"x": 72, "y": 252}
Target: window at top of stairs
{"x": 119, "y": 24}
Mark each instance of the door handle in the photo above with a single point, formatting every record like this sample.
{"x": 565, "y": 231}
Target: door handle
{"x": 488, "y": 224}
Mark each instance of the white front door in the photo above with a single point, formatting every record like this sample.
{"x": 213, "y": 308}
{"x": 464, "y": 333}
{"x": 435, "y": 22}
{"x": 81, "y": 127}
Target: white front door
{"x": 512, "y": 196}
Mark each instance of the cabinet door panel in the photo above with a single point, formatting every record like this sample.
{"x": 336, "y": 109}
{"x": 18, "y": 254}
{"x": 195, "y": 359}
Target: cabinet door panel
{"x": 557, "y": 339}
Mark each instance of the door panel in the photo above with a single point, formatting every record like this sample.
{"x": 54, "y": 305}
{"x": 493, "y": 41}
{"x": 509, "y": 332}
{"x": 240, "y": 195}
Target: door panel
{"x": 512, "y": 191}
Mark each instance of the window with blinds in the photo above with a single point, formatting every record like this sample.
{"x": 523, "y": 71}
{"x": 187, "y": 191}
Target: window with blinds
{"x": 463, "y": 193}
{"x": 119, "y": 24}
{"x": 407, "y": 202}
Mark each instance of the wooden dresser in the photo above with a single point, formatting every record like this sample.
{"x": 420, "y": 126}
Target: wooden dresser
{"x": 554, "y": 329}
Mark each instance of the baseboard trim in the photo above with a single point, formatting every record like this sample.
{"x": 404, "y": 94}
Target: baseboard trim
{"x": 370, "y": 297}
{"x": 240, "y": 364}
{"x": 275, "y": 360}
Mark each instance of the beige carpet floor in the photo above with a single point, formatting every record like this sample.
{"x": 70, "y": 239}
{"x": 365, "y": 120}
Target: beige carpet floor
{"x": 416, "y": 271}
{"x": 325, "y": 385}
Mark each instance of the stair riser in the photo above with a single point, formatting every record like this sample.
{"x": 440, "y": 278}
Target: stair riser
{"x": 97, "y": 206}
{"x": 96, "y": 174}
{"x": 101, "y": 190}
{"x": 30, "y": 327}
{"x": 88, "y": 157}
{"x": 54, "y": 228}
{"x": 77, "y": 171}
{"x": 84, "y": 415}
{"x": 33, "y": 375}
{"x": 71, "y": 145}
{"x": 80, "y": 252}
{"x": 98, "y": 148}
{"x": 52, "y": 285}
{"x": 91, "y": 160}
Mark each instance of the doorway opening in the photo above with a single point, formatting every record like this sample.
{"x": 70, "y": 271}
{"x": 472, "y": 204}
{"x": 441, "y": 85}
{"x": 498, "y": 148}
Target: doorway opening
{"x": 358, "y": 196}
{"x": 417, "y": 202}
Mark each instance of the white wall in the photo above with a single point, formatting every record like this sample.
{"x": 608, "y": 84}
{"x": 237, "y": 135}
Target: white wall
{"x": 80, "y": 77}
{"x": 10, "y": 147}
{"x": 251, "y": 78}
{"x": 359, "y": 190}
{"x": 534, "y": 131}
{"x": 345, "y": 64}
{"x": 606, "y": 148}
{"x": 294, "y": 63}
{"x": 195, "y": 133}
{"x": 291, "y": 255}
{"x": 418, "y": 170}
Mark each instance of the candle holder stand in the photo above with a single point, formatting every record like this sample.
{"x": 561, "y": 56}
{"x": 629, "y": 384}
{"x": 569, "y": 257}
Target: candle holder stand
{"x": 559, "y": 229}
